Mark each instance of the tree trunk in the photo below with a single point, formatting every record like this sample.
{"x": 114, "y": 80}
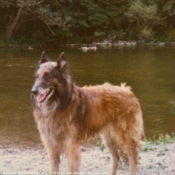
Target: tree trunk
{"x": 13, "y": 24}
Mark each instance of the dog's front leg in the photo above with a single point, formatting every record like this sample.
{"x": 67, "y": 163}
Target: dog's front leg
{"x": 54, "y": 159}
{"x": 73, "y": 156}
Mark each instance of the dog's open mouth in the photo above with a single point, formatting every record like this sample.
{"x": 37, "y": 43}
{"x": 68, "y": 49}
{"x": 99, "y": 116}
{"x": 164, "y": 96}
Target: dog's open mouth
{"x": 42, "y": 97}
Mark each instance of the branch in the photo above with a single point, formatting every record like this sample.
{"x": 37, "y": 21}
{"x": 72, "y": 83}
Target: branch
{"x": 22, "y": 3}
{"x": 36, "y": 3}
{"x": 50, "y": 29}
{"x": 12, "y": 26}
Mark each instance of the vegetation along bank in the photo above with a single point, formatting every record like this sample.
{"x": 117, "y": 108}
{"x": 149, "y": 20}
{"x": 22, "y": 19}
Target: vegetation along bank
{"x": 39, "y": 23}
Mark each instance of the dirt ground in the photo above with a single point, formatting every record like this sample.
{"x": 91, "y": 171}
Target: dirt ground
{"x": 33, "y": 160}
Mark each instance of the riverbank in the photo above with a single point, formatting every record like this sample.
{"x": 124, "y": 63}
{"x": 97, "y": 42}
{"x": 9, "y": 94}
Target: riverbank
{"x": 153, "y": 160}
{"x": 90, "y": 46}
{"x": 120, "y": 43}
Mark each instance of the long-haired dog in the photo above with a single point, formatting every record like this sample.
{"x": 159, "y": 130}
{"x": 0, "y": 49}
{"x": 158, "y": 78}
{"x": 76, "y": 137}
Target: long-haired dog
{"x": 67, "y": 115}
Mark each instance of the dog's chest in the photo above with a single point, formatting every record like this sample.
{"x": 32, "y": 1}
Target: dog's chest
{"x": 53, "y": 131}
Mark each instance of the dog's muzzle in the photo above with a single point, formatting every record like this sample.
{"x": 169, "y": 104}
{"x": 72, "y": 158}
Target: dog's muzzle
{"x": 34, "y": 91}
{"x": 42, "y": 95}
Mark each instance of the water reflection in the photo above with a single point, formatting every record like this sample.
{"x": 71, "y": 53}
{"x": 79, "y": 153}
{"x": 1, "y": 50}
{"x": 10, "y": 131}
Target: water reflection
{"x": 150, "y": 71}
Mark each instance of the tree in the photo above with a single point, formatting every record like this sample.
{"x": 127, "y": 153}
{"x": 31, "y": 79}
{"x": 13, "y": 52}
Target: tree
{"x": 48, "y": 13}
{"x": 77, "y": 21}
{"x": 91, "y": 20}
{"x": 144, "y": 17}
{"x": 20, "y": 7}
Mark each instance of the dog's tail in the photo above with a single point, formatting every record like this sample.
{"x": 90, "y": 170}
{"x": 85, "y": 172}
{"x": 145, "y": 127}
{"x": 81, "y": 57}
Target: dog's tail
{"x": 139, "y": 114}
{"x": 125, "y": 87}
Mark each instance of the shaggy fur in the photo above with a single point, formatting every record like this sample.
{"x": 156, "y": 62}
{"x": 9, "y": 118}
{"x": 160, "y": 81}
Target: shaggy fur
{"x": 68, "y": 115}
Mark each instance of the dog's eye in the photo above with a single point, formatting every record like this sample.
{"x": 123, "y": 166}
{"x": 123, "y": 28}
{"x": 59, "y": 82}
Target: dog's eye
{"x": 47, "y": 75}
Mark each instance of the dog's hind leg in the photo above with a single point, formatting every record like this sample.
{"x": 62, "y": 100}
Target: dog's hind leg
{"x": 129, "y": 147}
{"x": 132, "y": 155}
{"x": 73, "y": 155}
{"x": 113, "y": 149}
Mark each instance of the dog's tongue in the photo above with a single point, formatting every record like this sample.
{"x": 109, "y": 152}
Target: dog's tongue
{"x": 41, "y": 97}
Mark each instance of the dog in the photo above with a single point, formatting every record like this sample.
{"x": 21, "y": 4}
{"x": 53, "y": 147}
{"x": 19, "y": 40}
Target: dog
{"x": 68, "y": 115}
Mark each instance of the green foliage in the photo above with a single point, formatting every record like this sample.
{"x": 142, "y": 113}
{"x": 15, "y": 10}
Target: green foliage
{"x": 147, "y": 145}
{"x": 170, "y": 34}
{"x": 163, "y": 139}
{"x": 6, "y": 3}
{"x": 101, "y": 145}
{"x": 145, "y": 33}
{"x": 144, "y": 17}
{"x": 49, "y": 23}
{"x": 150, "y": 144}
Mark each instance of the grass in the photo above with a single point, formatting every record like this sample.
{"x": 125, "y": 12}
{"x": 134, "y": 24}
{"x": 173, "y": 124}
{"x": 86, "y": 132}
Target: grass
{"x": 148, "y": 144}
{"x": 101, "y": 145}
{"x": 152, "y": 153}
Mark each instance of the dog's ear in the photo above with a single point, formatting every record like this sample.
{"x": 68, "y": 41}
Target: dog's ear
{"x": 44, "y": 58}
{"x": 62, "y": 63}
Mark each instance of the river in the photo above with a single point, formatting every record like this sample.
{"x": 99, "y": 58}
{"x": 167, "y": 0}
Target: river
{"x": 149, "y": 70}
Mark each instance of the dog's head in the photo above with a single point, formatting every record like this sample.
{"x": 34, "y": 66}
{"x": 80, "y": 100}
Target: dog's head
{"x": 51, "y": 79}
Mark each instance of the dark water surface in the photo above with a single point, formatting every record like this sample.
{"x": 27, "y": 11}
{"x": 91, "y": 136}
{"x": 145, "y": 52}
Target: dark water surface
{"x": 149, "y": 70}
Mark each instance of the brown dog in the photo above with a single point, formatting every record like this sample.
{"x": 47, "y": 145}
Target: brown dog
{"x": 67, "y": 115}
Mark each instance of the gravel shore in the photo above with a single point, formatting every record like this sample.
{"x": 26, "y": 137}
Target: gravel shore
{"x": 33, "y": 160}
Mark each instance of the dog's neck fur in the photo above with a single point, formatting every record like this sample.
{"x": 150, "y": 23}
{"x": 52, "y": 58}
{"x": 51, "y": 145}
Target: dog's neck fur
{"x": 48, "y": 110}
{"x": 50, "y": 107}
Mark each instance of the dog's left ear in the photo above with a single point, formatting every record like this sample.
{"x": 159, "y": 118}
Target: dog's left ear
{"x": 62, "y": 63}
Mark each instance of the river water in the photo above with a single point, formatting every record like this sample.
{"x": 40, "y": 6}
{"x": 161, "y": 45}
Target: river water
{"x": 149, "y": 70}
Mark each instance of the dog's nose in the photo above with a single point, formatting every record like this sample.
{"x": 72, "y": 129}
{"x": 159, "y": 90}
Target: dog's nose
{"x": 34, "y": 91}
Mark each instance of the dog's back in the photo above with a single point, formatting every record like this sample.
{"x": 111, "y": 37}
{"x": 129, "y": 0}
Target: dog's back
{"x": 115, "y": 112}
{"x": 113, "y": 106}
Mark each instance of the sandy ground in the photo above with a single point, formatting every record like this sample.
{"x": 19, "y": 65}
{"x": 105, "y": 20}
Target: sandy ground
{"x": 33, "y": 160}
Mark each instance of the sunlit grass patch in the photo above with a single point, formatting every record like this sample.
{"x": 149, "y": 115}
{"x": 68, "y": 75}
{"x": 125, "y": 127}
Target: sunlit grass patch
{"x": 151, "y": 144}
